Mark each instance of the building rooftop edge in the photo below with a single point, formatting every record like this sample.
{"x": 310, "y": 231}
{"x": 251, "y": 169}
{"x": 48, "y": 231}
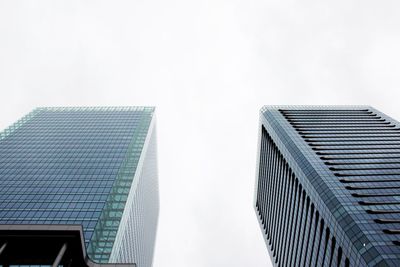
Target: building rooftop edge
{"x": 276, "y": 107}
{"x": 98, "y": 108}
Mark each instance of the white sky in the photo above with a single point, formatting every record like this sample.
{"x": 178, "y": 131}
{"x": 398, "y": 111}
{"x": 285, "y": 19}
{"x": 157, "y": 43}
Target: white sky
{"x": 208, "y": 66}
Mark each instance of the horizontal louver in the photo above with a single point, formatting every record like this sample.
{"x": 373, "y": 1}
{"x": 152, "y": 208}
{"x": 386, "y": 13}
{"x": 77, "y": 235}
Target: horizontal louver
{"x": 362, "y": 150}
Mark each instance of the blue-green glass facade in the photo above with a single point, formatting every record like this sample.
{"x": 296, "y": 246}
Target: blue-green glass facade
{"x": 328, "y": 186}
{"x": 82, "y": 166}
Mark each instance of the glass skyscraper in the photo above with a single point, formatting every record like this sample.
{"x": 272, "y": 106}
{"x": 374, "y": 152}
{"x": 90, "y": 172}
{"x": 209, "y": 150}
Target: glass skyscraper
{"x": 94, "y": 167}
{"x": 328, "y": 186}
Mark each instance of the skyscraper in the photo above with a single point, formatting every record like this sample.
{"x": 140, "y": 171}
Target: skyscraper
{"x": 91, "y": 167}
{"x": 328, "y": 186}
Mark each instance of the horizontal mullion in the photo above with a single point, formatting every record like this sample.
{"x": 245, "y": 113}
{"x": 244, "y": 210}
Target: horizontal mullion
{"x": 363, "y": 167}
{"x": 342, "y": 140}
{"x": 47, "y": 219}
{"x": 381, "y": 172}
{"x": 366, "y": 160}
{"x": 335, "y": 137}
{"x": 372, "y": 187}
{"x": 376, "y": 211}
{"x": 331, "y": 116}
{"x": 315, "y": 134}
{"x": 376, "y": 191}
{"x": 339, "y": 123}
{"x": 374, "y": 203}
{"x": 354, "y": 143}
{"x": 344, "y": 119}
{"x": 365, "y": 180}
{"x": 363, "y": 127}
{"x": 392, "y": 231}
{"x": 55, "y": 201}
{"x": 55, "y": 209}
{"x": 361, "y": 164}
{"x": 373, "y": 154}
{"x": 336, "y": 111}
{"x": 59, "y": 193}
{"x": 374, "y": 195}
{"x": 335, "y": 130}
{"x": 354, "y": 148}
{"x": 386, "y": 221}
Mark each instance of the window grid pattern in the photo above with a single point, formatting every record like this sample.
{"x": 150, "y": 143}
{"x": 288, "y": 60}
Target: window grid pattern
{"x": 72, "y": 166}
{"x": 295, "y": 232}
{"x": 136, "y": 243}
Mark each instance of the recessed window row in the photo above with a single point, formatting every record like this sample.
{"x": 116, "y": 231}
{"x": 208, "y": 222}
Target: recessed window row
{"x": 362, "y": 162}
{"x": 374, "y": 203}
{"x": 323, "y": 120}
{"x": 352, "y": 148}
{"x": 383, "y": 156}
{"x": 322, "y": 124}
{"x": 303, "y": 236}
{"x": 351, "y": 143}
{"x": 363, "y": 180}
{"x": 370, "y": 187}
{"x": 330, "y": 116}
{"x": 322, "y": 111}
{"x": 371, "y": 166}
{"x": 365, "y": 153}
{"x": 371, "y": 173}
{"x": 324, "y": 141}
{"x": 335, "y": 139}
{"x": 359, "y": 133}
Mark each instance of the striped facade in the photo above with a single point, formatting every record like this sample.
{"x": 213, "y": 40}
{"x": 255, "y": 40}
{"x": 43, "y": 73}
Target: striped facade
{"x": 328, "y": 186}
{"x": 136, "y": 235}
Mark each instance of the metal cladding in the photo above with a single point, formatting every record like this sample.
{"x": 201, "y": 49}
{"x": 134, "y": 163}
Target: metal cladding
{"x": 328, "y": 186}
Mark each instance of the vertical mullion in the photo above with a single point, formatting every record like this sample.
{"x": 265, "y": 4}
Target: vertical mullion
{"x": 292, "y": 222}
{"x": 295, "y": 226}
{"x": 269, "y": 186}
{"x": 283, "y": 206}
{"x": 333, "y": 259}
{"x": 311, "y": 234}
{"x": 320, "y": 239}
{"x": 299, "y": 228}
{"x": 302, "y": 229}
{"x": 274, "y": 200}
{"x": 307, "y": 226}
{"x": 261, "y": 178}
{"x": 340, "y": 258}
{"x": 278, "y": 206}
{"x": 265, "y": 162}
{"x": 326, "y": 246}
{"x": 285, "y": 203}
{"x": 288, "y": 219}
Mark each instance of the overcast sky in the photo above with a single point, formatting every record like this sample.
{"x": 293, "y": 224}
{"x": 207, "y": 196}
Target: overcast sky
{"x": 208, "y": 66}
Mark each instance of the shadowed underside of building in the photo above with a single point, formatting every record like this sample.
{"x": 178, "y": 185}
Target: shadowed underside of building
{"x": 328, "y": 186}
